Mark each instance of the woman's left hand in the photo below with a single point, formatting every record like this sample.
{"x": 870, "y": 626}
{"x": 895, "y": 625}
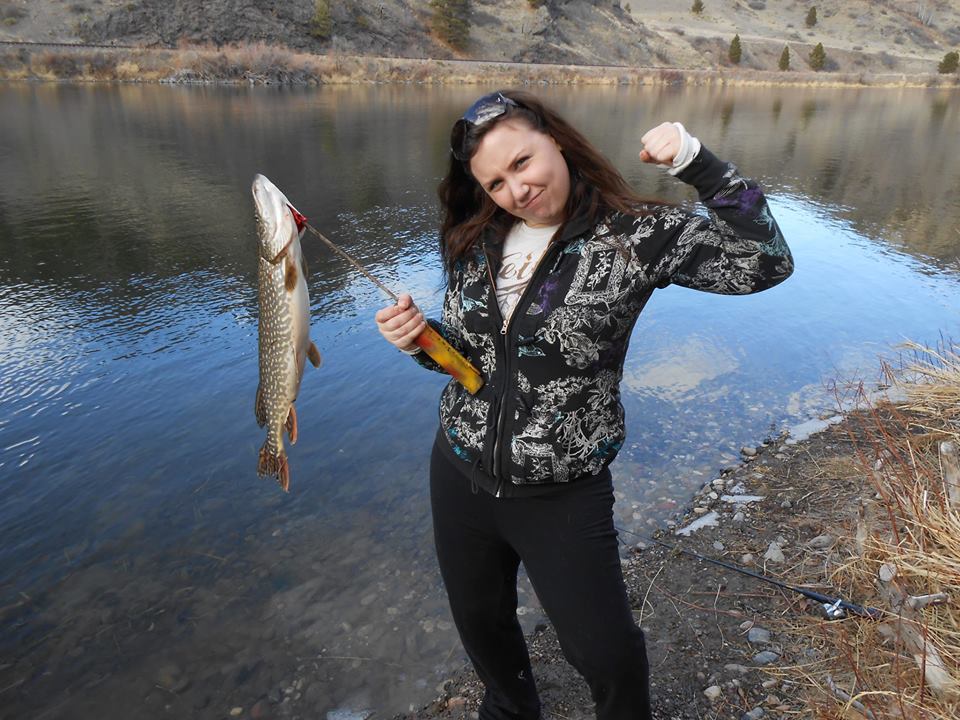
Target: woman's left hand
{"x": 660, "y": 144}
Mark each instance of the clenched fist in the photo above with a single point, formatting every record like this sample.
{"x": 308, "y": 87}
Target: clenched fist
{"x": 661, "y": 144}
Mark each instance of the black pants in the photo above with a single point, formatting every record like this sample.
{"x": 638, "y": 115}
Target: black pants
{"x": 568, "y": 546}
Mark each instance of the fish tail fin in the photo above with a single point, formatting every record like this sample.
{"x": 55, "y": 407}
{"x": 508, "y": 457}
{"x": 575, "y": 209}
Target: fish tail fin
{"x": 274, "y": 464}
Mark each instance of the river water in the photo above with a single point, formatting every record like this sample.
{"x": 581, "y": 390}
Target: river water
{"x": 145, "y": 570}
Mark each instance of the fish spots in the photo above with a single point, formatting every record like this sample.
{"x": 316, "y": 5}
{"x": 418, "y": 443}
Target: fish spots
{"x": 283, "y": 325}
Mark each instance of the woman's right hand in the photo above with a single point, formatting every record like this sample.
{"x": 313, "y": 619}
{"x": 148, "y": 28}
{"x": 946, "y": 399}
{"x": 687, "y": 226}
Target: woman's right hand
{"x": 400, "y": 324}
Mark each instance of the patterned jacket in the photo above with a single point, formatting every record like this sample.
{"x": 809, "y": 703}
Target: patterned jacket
{"x": 549, "y": 411}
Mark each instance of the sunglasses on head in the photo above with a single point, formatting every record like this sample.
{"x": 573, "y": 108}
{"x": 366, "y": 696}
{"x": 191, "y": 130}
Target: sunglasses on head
{"x": 481, "y": 112}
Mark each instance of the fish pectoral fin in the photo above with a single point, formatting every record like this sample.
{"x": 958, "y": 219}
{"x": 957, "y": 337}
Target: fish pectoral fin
{"x": 258, "y": 409}
{"x": 314, "y": 356}
{"x": 290, "y": 275}
{"x": 291, "y": 425}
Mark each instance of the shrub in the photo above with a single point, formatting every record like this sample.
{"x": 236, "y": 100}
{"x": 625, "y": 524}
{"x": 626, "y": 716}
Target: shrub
{"x": 219, "y": 67}
{"x": 61, "y": 65}
{"x": 811, "y": 17}
{"x": 11, "y": 14}
{"x": 949, "y": 63}
{"x": 735, "y": 51}
{"x": 451, "y": 21}
{"x": 127, "y": 70}
{"x": 818, "y": 57}
{"x": 321, "y": 25}
{"x": 697, "y": 7}
{"x": 784, "y": 62}
{"x": 102, "y": 65}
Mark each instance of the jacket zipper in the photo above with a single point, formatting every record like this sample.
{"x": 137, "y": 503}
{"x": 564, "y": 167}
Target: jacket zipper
{"x": 504, "y": 331}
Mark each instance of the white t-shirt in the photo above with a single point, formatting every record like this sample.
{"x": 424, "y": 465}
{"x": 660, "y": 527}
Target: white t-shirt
{"x": 522, "y": 250}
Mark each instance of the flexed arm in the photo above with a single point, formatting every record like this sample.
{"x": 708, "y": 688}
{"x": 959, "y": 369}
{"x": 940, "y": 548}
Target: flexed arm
{"x": 738, "y": 250}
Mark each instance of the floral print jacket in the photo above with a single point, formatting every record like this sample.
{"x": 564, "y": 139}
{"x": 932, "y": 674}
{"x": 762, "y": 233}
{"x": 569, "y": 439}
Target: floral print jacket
{"x": 549, "y": 411}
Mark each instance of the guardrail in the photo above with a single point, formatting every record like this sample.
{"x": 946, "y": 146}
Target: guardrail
{"x": 80, "y": 46}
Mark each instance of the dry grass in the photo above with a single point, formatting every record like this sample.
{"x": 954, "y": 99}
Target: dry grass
{"x": 904, "y": 546}
{"x": 271, "y": 64}
{"x": 935, "y": 387}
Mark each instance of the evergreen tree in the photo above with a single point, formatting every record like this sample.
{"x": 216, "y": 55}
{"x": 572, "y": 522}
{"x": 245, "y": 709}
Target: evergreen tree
{"x": 949, "y": 63}
{"x": 812, "y": 17}
{"x": 697, "y": 8}
{"x": 451, "y": 22}
{"x": 784, "y": 63}
{"x": 818, "y": 57}
{"x": 735, "y": 50}
{"x": 321, "y": 25}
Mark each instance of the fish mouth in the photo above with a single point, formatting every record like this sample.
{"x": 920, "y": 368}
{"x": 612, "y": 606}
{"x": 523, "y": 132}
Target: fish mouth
{"x": 266, "y": 198}
{"x": 276, "y": 225}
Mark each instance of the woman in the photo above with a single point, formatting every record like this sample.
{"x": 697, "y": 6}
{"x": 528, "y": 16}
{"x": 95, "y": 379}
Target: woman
{"x": 550, "y": 257}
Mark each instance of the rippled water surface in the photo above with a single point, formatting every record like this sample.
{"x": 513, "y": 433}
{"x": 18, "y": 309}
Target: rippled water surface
{"x": 145, "y": 570}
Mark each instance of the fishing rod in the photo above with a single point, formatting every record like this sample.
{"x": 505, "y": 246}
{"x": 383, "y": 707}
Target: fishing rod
{"x": 834, "y": 607}
{"x": 430, "y": 340}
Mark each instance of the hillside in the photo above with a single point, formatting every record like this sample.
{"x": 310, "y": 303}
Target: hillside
{"x": 869, "y": 35}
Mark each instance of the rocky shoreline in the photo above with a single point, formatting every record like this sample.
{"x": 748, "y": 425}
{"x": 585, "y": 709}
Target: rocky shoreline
{"x": 276, "y": 65}
{"x": 718, "y": 640}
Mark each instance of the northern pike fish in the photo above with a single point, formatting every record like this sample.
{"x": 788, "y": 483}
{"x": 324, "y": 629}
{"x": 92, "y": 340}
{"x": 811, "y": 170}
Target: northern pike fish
{"x": 284, "y": 324}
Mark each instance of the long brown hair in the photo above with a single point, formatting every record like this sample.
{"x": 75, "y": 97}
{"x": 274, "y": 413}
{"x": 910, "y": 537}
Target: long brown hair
{"x": 468, "y": 211}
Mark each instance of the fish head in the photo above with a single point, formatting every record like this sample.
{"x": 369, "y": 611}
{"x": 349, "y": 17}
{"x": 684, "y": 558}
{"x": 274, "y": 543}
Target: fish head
{"x": 278, "y": 222}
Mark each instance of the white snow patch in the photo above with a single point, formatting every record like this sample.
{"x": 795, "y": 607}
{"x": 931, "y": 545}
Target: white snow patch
{"x": 348, "y": 714}
{"x": 711, "y": 519}
{"x": 799, "y": 433}
{"x": 742, "y": 498}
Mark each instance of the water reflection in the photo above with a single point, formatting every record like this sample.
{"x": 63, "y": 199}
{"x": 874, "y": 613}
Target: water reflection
{"x": 144, "y": 566}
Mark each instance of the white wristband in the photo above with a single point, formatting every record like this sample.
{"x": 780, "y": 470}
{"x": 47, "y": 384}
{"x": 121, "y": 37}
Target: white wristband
{"x": 415, "y": 350}
{"x": 689, "y": 149}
